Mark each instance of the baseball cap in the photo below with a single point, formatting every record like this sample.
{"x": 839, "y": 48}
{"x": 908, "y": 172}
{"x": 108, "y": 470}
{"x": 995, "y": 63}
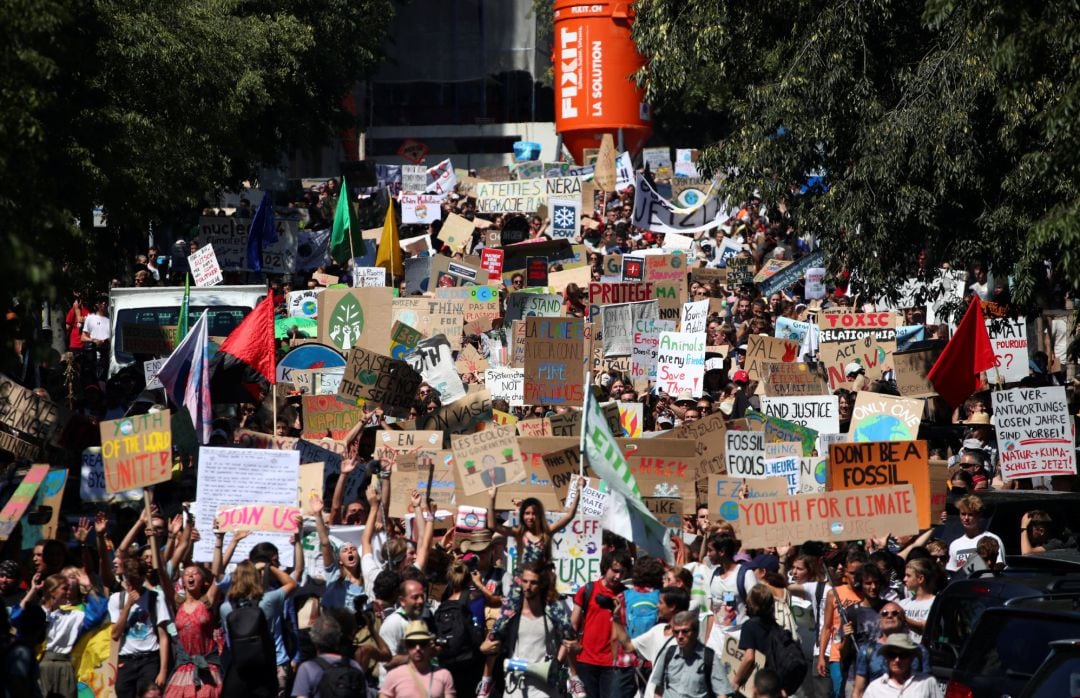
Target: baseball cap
{"x": 740, "y": 376}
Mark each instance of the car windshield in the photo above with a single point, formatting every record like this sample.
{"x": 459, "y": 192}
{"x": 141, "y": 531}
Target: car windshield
{"x": 1061, "y": 677}
{"x": 222, "y": 320}
{"x": 1014, "y": 645}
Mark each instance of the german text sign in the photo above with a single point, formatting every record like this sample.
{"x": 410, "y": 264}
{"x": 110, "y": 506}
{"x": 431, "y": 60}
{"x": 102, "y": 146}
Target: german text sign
{"x": 1034, "y": 432}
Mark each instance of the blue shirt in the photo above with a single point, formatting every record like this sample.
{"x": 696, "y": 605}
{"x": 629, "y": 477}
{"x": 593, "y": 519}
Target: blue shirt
{"x": 272, "y": 605}
{"x": 871, "y": 663}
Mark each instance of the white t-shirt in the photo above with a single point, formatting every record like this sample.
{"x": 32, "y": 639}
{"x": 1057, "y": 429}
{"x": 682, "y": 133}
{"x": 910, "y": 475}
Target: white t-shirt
{"x": 532, "y": 645}
{"x": 392, "y": 632}
{"x": 917, "y": 611}
{"x": 721, "y": 584}
{"x": 97, "y": 326}
{"x": 961, "y": 549}
{"x": 651, "y": 645}
{"x": 699, "y": 594}
{"x": 141, "y": 635}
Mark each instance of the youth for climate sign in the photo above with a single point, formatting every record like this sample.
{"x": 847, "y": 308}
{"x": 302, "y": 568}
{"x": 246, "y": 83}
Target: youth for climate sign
{"x": 1034, "y": 432}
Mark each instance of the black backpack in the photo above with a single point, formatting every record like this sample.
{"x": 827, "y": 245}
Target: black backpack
{"x": 784, "y": 655}
{"x": 341, "y": 680}
{"x": 455, "y": 632}
{"x": 251, "y": 644}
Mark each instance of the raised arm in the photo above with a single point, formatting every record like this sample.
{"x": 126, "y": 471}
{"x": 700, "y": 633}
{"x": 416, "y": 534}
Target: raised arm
{"x": 337, "y": 502}
{"x": 492, "y": 521}
{"x": 316, "y": 510}
{"x": 286, "y": 582}
{"x": 572, "y": 511}
{"x": 427, "y": 533}
{"x": 101, "y": 533}
{"x": 921, "y": 540}
{"x": 142, "y": 520}
{"x": 366, "y": 547}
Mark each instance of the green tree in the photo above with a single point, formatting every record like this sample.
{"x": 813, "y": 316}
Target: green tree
{"x": 144, "y": 107}
{"x": 937, "y": 124}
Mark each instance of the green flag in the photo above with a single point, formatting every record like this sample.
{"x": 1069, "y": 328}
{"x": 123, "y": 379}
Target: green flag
{"x": 345, "y": 239}
{"x": 182, "y": 321}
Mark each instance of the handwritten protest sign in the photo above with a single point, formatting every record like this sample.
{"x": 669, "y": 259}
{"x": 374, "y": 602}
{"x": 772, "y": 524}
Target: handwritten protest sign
{"x": 828, "y": 516}
{"x": 563, "y": 466}
{"x": 434, "y": 359}
{"x": 420, "y": 209}
{"x": 522, "y": 305}
{"x": 912, "y": 369}
{"x": 879, "y": 417}
{"x": 745, "y": 454}
{"x": 868, "y": 338}
{"x": 694, "y": 316}
{"x": 667, "y": 510}
{"x": 325, "y": 414}
{"x": 392, "y": 444}
{"x": 229, "y": 236}
{"x": 204, "y": 266}
{"x": 378, "y": 379}
{"x": 708, "y": 436}
{"x": 137, "y": 451}
{"x": 610, "y": 293}
{"x": 1010, "y": 343}
{"x": 252, "y": 476}
{"x": 278, "y": 518}
{"x": 554, "y": 361}
{"x": 813, "y": 474}
{"x": 415, "y": 471}
{"x": 20, "y": 499}
{"x": 506, "y": 384}
{"x": 487, "y": 458}
{"x": 92, "y": 482}
{"x": 790, "y": 380}
{"x": 680, "y": 363}
{"x": 762, "y": 349}
{"x": 883, "y": 463}
{"x": 368, "y": 277}
{"x": 725, "y": 494}
{"x": 304, "y": 303}
{"x": 618, "y": 321}
{"x": 31, "y": 414}
{"x": 821, "y": 413}
{"x": 465, "y": 415}
{"x": 17, "y": 447}
{"x": 1034, "y": 432}
{"x": 575, "y": 553}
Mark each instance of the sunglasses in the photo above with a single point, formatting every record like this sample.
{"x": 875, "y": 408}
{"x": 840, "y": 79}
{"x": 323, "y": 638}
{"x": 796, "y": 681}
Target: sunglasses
{"x": 894, "y": 657}
{"x": 890, "y": 614}
{"x": 417, "y": 643}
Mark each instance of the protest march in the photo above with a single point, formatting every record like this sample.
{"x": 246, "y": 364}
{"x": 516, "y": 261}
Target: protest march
{"x": 482, "y": 432}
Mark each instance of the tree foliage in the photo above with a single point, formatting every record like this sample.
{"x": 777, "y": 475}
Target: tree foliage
{"x": 937, "y": 124}
{"x": 144, "y": 107}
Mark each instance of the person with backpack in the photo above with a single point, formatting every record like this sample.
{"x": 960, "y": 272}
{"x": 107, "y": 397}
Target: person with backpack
{"x": 761, "y": 633}
{"x": 257, "y": 667}
{"x": 419, "y": 677}
{"x": 457, "y": 636}
{"x": 591, "y": 618}
{"x": 727, "y": 587}
{"x": 330, "y": 674}
{"x": 654, "y": 641}
{"x": 689, "y": 669}
{"x": 640, "y": 604}
{"x": 139, "y": 616}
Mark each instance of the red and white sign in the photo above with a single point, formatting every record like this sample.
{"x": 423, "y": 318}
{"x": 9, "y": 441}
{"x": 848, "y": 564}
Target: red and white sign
{"x": 491, "y": 260}
{"x": 204, "y": 266}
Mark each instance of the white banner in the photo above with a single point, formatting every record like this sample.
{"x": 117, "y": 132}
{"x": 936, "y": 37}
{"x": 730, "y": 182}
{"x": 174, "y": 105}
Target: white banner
{"x": 420, "y": 209}
{"x": 229, "y": 238}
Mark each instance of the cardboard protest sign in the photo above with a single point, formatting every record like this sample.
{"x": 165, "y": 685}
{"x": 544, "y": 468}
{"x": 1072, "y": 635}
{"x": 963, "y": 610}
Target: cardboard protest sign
{"x": 470, "y": 361}
{"x": 325, "y": 414}
{"x": 478, "y": 306}
{"x": 310, "y": 482}
{"x": 632, "y": 416}
{"x": 48, "y": 497}
{"x": 520, "y": 305}
{"x": 790, "y": 380}
{"x": 35, "y": 416}
{"x": 487, "y": 458}
{"x": 708, "y": 436}
{"x": 252, "y": 476}
{"x": 882, "y": 463}
{"x": 418, "y": 470}
{"x": 434, "y": 360}
{"x": 465, "y": 415}
{"x": 278, "y": 518}
{"x": 1010, "y": 343}
{"x": 457, "y": 232}
{"x": 786, "y": 467}
{"x": 413, "y": 178}
{"x": 554, "y": 361}
{"x": 813, "y": 474}
{"x": 866, "y": 338}
{"x": 563, "y": 466}
{"x": 607, "y": 293}
{"x": 788, "y": 274}
{"x": 879, "y": 417}
{"x": 667, "y": 510}
{"x": 92, "y": 480}
{"x": 828, "y": 516}
{"x": 204, "y": 266}
{"x": 821, "y": 412}
{"x": 680, "y": 363}
{"x": 726, "y": 493}
{"x": 17, "y": 447}
{"x": 368, "y": 277}
{"x": 420, "y": 209}
{"x": 506, "y": 384}
{"x": 1034, "y": 432}
{"x": 380, "y": 380}
{"x": 355, "y": 317}
{"x": 911, "y": 369}
{"x": 569, "y": 423}
{"x": 618, "y": 321}
{"x": 20, "y": 499}
{"x": 663, "y": 468}
{"x": 538, "y": 426}
{"x": 392, "y": 444}
{"x": 137, "y": 451}
{"x": 762, "y": 349}
{"x": 518, "y": 196}
{"x": 593, "y": 499}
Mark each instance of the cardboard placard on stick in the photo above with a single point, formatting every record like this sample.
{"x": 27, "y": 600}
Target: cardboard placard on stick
{"x": 137, "y": 451}
{"x": 488, "y": 458}
{"x": 554, "y": 361}
{"x": 379, "y": 380}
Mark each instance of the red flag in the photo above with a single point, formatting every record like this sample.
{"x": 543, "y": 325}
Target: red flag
{"x": 247, "y": 358}
{"x": 955, "y": 374}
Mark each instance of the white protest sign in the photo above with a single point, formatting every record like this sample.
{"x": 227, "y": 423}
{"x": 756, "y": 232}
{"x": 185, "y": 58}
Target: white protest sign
{"x": 441, "y": 178}
{"x": 364, "y": 277}
{"x": 229, "y": 237}
{"x": 744, "y": 453}
{"x": 593, "y": 501}
{"x": 685, "y": 162}
{"x": 231, "y": 476}
{"x": 1034, "y": 432}
{"x": 695, "y": 316}
{"x": 624, "y": 173}
{"x": 815, "y": 283}
{"x": 204, "y": 266}
{"x": 420, "y": 209}
{"x": 680, "y": 362}
{"x": 92, "y": 482}
{"x": 565, "y": 214}
{"x": 575, "y": 553}
{"x": 506, "y": 384}
{"x": 1010, "y": 343}
{"x": 304, "y": 303}
{"x": 150, "y": 369}
{"x": 646, "y": 339}
{"x": 413, "y": 178}
{"x": 788, "y": 467}
{"x": 434, "y": 360}
{"x": 818, "y": 412}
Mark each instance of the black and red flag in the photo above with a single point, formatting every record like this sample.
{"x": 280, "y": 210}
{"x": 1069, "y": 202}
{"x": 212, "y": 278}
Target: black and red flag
{"x": 245, "y": 366}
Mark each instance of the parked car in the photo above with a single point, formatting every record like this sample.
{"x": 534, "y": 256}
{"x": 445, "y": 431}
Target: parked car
{"x": 1009, "y": 643}
{"x": 1059, "y": 674}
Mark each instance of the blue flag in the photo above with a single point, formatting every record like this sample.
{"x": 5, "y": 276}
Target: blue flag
{"x": 185, "y": 376}
{"x": 263, "y": 231}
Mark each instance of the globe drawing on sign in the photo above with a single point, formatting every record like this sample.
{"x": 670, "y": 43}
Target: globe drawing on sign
{"x": 729, "y": 511}
{"x": 882, "y": 427}
{"x": 820, "y": 471}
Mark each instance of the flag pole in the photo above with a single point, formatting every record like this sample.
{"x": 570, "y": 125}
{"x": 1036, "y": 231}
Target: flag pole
{"x": 584, "y": 417}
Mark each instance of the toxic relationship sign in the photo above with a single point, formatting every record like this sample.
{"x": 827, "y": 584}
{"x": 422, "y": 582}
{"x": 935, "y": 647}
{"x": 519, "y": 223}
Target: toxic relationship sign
{"x": 137, "y": 451}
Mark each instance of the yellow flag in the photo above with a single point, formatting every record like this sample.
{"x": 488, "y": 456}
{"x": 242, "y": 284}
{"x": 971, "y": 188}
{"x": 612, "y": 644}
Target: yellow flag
{"x": 390, "y": 253}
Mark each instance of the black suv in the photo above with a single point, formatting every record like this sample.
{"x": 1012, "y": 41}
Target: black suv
{"x": 1059, "y": 675}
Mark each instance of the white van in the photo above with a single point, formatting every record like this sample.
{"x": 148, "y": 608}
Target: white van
{"x": 160, "y": 307}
